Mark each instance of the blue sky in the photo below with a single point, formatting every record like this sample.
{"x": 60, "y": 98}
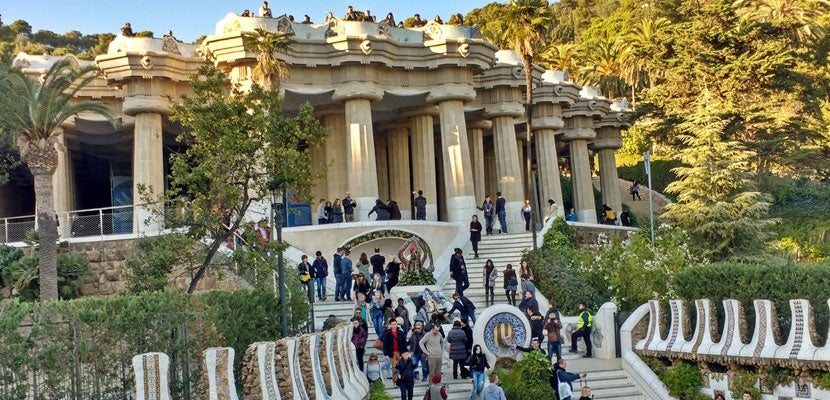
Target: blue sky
{"x": 190, "y": 19}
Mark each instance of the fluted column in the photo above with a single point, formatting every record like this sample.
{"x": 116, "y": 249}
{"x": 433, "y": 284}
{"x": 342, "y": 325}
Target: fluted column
{"x": 423, "y": 156}
{"x": 319, "y": 169}
{"x": 336, "y": 183}
{"x": 148, "y": 171}
{"x": 361, "y": 167}
{"x": 509, "y": 170}
{"x": 475, "y": 138}
{"x": 578, "y": 131}
{"x": 607, "y": 142}
{"x": 546, "y": 122}
{"x": 458, "y": 177}
{"x": 400, "y": 188}
{"x": 62, "y": 187}
{"x": 382, "y": 160}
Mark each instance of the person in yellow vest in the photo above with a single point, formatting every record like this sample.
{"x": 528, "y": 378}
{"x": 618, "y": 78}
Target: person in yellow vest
{"x": 583, "y": 330}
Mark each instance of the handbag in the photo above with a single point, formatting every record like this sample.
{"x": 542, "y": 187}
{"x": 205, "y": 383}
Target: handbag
{"x": 305, "y": 277}
{"x": 378, "y": 344}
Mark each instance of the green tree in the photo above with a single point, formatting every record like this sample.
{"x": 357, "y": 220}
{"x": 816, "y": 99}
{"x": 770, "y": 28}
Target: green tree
{"x": 32, "y": 111}
{"x": 717, "y": 202}
{"x": 265, "y": 44}
{"x": 488, "y": 19}
{"x": 21, "y": 27}
{"x": 237, "y": 144}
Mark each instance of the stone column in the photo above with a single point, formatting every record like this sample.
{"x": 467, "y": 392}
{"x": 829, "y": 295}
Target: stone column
{"x": 607, "y": 142}
{"x": 148, "y": 170}
{"x": 423, "y": 156}
{"x": 62, "y": 187}
{"x": 475, "y": 138}
{"x": 578, "y": 131}
{"x": 361, "y": 166}
{"x": 400, "y": 188}
{"x": 509, "y": 169}
{"x": 337, "y": 182}
{"x": 320, "y": 189}
{"x": 546, "y": 122}
{"x": 458, "y": 177}
{"x": 490, "y": 180}
{"x": 382, "y": 160}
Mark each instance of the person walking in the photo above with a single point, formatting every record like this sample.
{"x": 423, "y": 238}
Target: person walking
{"x": 393, "y": 273}
{"x": 494, "y": 391}
{"x": 394, "y": 343}
{"x": 457, "y": 341}
{"x": 359, "y": 341}
{"x": 437, "y": 391}
{"x": 634, "y": 190}
{"x": 475, "y": 234}
{"x": 432, "y": 345}
{"x": 561, "y": 381}
{"x": 320, "y": 270}
{"x": 378, "y": 261}
{"x": 511, "y": 284}
{"x": 337, "y": 262}
{"x": 414, "y": 345}
{"x": 553, "y": 326}
{"x": 490, "y": 275}
{"x": 583, "y": 330}
{"x": 306, "y": 272}
{"x": 478, "y": 364}
{"x": 464, "y": 306}
{"x": 489, "y": 211}
{"x": 376, "y": 312}
{"x": 405, "y": 373}
{"x": 458, "y": 270}
{"x": 501, "y": 211}
{"x": 348, "y": 207}
{"x": 526, "y": 213}
{"x": 346, "y": 275}
{"x": 420, "y": 205}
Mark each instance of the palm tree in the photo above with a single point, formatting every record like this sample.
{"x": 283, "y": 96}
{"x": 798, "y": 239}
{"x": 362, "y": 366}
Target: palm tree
{"x": 801, "y": 16}
{"x": 564, "y": 57}
{"x": 32, "y": 112}
{"x": 265, "y": 44}
{"x": 526, "y": 24}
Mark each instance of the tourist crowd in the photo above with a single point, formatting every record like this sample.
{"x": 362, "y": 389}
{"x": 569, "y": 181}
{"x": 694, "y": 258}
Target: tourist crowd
{"x": 360, "y": 16}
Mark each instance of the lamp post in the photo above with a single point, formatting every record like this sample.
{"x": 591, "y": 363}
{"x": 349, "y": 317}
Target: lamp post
{"x": 647, "y": 164}
{"x": 278, "y": 199}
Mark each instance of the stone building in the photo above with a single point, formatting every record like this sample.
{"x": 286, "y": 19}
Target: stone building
{"x": 435, "y": 108}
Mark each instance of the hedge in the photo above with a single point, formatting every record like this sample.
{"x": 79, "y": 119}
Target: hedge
{"x": 747, "y": 282}
{"x": 83, "y": 348}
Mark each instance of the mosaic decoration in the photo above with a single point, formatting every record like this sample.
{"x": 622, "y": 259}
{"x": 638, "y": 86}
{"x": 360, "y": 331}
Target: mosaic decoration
{"x": 761, "y": 309}
{"x": 802, "y": 390}
{"x": 268, "y": 371}
{"x": 384, "y": 30}
{"x": 284, "y": 25}
{"x": 223, "y": 385}
{"x": 296, "y": 372}
{"x": 798, "y": 322}
{"x": 314, "y": 344}
{"x": 730, "y": 327}
{"x": 396, "y": 234}
{"x": 475, "y": 33}
{"x": 675, "y": 324}
{"x": 169, "y": 45}
{"x": 152, "y": 380}
{"x": 503, "y": 330}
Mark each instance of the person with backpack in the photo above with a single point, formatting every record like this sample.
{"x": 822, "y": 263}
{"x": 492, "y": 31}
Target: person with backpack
{"x": 583, "y": 330}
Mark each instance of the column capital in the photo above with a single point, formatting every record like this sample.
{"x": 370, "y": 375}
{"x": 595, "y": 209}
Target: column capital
{"x": 452, "y": 91}
{"x": 357, "y": 91}
{"x": 390, "y": 125}
{"x": 565, "y": 93}
{"x": 617, "y": 119}
{"x": 418, "y": 111}
{"x": 579, "y": 127}
{"x": 329, "y": 109}
{"x": 511, "y": 109}
{"x": 607, "y": 138}
{"x": 596, "y": 108}
{"x": 482, "y": 124}
{"x": 554, "y": 123}
{"x": 138, "y": 104}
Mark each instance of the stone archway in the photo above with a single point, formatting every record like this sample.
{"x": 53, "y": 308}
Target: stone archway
{"x": 408, "y": 238}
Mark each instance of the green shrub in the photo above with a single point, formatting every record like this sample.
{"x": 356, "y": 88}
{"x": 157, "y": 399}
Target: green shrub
{"x": 822, "y": 379}
{"x": 657, "y": 365}
{"x": 744, "y": 380}
{"x": 563, "y": 285}
{"x": 377, "y": 391}
{"x": 560, "y": 238}
{"x": 422, "y": 277}
{"x": 683, "y": 380}
{"x": 22, "y": 275}
{"x": 746, "y": 282}
{"x": 8, "y": 255}
{"x": 528, "y": 379}
{"x": 154, "y": 260}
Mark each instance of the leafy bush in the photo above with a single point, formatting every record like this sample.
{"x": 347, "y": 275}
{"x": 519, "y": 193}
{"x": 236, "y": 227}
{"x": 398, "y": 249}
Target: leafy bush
{"x": 378, "y": 392}
{"x": 822, "y": 379}
{"x": 22, "y": 275}
{"x": 8, "y": 255}
{"x": 563, "y": 285}
{"x": 744, "y": 380}
{"x": 560, "y": 237}
{"x": 528, "y": 379}
{"x": 422, "y": 277}
{"x": 746, "y": 282}
{"x": 802, "y": 207}
{"x": 154, "y": 260}
{"x": 683, "y": 380}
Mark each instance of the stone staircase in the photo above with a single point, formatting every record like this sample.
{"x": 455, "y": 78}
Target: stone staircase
{"x": 605, "y": 377}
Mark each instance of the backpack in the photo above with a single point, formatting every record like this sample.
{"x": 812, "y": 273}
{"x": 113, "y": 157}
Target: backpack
{"x": 610, "y": 215}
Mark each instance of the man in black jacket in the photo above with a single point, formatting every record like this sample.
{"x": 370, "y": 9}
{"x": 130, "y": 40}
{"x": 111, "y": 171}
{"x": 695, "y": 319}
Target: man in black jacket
{"x": 394, "y": 342}
{"x": 405, "y": 373}
{"x": 378, "y": 261}
{"x": 420, "y": 206}
{"x": 501, "y": 211}
{"x": 458, "y": 269}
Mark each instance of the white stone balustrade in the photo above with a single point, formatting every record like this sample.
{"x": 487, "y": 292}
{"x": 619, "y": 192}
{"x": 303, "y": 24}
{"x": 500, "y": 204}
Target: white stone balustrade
{"x": 151, "y": 376}
{"x": 219, "y": 372}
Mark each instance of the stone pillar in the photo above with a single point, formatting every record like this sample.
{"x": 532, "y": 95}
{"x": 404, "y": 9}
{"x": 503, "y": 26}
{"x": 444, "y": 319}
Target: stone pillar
{"x": 382, "y": 161}
{"x": 578, "y": 131}
{"x": 607, "y": 142}
{"x": 335, "y": 152}
{"x": 62, "y": 187}
{"x": 361, "y": 166}
{"x": 490, "y": 180}
{"x": 319, "y": 165}
{"x": 509, "y": 170}
{"x": 546, "y": 122}
{"x": 458, "y": 177}
{"x": 400, "y": 188}
{"x": 423, "y": 156}
{"x": 148, "y": 171}
{"x": 475, "y": 138}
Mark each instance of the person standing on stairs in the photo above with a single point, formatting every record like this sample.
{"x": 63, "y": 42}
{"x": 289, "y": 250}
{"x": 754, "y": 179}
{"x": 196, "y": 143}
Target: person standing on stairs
{"x": 432, "y": 345}
{"x": 501, "y": 210}
{"x": 414, "y": 345}
{"x": 337, "y": 262}
{"x": 478, "y": 364}
{"x": 464, "y": 306}
{"x": 393, "y": 272}
{"x": 458, "y": 270}
{"x": 457, "y": 340}
{"x": 437, "y": 391}
{"x": 475, "y": 234}
{"x": 378, "y": 261}
{"x": 526, "y": 213}
{"x": 527, "y": 277}
{"x": 490, "y": 275}
{"x": 537, "y": 324}
{"x": 554, "y": 328}
{"x": 529, "y": 303}
{"x": 583, "y": 330}
{"x": 561, "y": 380}
{"x": 359, "y": 341}
{"x": 405, "y": 372}
{"x": 394, "y": 343}
{"x": 346, "y": 276}
{"x": 511, "y": 284}
{"x": 489, "y": 211}
{"x": 376, "y": 312}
